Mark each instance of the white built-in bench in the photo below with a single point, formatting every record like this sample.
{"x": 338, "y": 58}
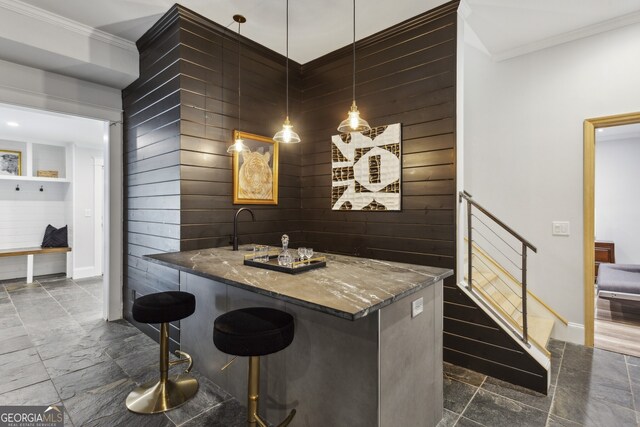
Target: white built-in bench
{"x": 30, "y": 252}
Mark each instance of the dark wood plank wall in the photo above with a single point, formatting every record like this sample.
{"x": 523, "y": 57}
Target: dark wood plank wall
{"x": 152, "y": 171}
{"x": 405, "y": 74}
{"x": 179, "y": 116}
{"x": 179, "y": 119}
{"x": 209, "y": 114}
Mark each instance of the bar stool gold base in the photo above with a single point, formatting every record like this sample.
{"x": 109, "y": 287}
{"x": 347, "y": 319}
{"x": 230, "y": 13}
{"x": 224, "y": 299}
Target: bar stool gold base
{"x": 253, "y": 397}
{"x": 156, "y": 396}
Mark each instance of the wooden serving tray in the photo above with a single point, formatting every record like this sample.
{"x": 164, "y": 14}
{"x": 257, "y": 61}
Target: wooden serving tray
{"x": 296, "y": 268}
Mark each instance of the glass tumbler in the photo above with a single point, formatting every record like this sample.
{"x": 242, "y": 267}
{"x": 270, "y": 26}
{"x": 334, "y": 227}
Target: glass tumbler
{"x": 261, "y": 253}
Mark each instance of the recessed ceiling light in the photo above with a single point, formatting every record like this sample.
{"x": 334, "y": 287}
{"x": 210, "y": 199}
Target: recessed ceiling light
{"x": 13, "y": 124}
{"x": 601, "y": 130}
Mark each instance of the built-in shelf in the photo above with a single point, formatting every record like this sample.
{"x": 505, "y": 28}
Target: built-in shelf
{"x": 32, "y": 179}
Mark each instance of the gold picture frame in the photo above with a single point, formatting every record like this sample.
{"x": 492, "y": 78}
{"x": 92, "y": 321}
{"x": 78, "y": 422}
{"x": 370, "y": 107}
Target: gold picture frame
{"x": 7, "y": 160}
{"x": 253, "y": 170}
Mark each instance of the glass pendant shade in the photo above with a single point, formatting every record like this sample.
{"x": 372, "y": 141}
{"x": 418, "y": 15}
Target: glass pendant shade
{"x": 287, "y": 135}
{"x": 353, "y": 122}
{"x": 237, "y": 147}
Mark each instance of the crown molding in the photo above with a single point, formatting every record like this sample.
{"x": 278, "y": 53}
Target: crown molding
{"x": 590, "y": 30}
{"x": 67, "y": 24}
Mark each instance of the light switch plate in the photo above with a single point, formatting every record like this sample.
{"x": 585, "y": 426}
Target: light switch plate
{"x": 560, "y": 228}
{"x": 87, "y": 212}
{"x": 417, "y": 307}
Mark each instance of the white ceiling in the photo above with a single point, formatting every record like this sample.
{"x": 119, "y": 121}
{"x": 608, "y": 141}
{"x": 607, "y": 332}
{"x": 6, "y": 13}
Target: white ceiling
{"x": 315, "y": 27}
{"x": 318, "y": 27}
{"x": 508, "y": 28}
{"x": 44, "y": 127}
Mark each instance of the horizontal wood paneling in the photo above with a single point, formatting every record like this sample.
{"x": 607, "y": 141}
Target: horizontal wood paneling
{"x": 152, "y": 173}
{"x": 410, "y": 62}
{"x": 208, "y": 117}
{"x": 182, "y": 110}
{"x": 472, "y": 339}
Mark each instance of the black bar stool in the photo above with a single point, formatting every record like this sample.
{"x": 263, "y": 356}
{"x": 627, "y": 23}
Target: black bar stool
{"x": 254, "y": 332}
{"x": 168, "y": 392}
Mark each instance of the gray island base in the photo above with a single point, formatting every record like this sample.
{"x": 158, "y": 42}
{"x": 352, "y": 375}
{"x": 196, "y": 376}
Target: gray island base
{"x": 359, "y": 357}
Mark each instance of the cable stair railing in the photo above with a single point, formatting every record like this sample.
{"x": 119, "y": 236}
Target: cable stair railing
{"x": 492, "y": 279}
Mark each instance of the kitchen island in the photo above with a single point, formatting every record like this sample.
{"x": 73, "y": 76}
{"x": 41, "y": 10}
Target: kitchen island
{"x": 367, "y": 349}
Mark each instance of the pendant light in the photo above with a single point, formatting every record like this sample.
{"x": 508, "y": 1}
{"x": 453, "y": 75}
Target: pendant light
{"x": 353, "y": 122}
{"x": 238, "y": 145}
{"x": 287, "y": 135}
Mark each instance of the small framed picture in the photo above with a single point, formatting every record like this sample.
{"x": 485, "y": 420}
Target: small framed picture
{"x": 255, "y": 171}
{"x": 10, "y": 162}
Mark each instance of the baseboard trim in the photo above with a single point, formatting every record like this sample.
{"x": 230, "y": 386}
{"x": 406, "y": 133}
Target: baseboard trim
{"x": 573, "y": 332}
{"x": 81, "y": 273}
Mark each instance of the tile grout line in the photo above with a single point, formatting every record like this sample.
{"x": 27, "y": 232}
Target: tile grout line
{"x": 58, "y": 302}
{"x": 633, "y": 398}
{"x": 555, "y": 391}
{"x": 82, "y": 287}
{"x": 204, "y": 411}
{"x": 469, "y": 402}
{"x": 35, "y": 347}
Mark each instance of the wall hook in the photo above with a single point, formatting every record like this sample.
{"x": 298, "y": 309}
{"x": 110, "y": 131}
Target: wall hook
{"x": 41, "y": 188}
{"x": 18, "y": 187}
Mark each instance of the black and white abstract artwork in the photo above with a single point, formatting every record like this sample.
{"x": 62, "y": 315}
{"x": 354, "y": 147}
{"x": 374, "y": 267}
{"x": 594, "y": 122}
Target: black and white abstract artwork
{"x": 366, "y": 170}
{"x": 9, "y": 162}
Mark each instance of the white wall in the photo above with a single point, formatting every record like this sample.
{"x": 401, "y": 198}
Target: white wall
{"x": 83, "y": 201}
{"x": 35, "y": 88}
{"x": 24, "y": 215}
{"x": 616, "y": 202}
{"x": 523, "y": 141}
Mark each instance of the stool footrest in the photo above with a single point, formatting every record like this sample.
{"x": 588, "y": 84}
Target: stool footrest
{"x": 184, "y": 358}
{"x": 262, "y": 423}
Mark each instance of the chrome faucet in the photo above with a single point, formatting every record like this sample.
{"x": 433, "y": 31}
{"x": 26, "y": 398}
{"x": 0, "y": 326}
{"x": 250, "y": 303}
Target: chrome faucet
{"x": 234, "y": 238}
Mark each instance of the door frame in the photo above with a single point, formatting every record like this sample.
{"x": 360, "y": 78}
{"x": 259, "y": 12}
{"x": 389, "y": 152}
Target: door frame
{"x": 590, "y": 127}
{"x": 98, "y": 215}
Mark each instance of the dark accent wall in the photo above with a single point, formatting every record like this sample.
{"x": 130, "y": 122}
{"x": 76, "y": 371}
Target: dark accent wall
{"x": 179, "y": 116}
{"x": 407, "y": 75}
{"x": 179, "y": 119}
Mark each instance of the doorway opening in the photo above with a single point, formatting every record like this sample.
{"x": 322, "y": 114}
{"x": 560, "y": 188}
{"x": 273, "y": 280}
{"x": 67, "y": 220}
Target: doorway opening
{"x": 60, "y": 181}
{"x": 610, "y": 296}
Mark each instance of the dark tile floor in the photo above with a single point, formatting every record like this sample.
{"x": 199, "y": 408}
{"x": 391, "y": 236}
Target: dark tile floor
{"x": 54, "y": 348}
{"x": 589, "y": 387}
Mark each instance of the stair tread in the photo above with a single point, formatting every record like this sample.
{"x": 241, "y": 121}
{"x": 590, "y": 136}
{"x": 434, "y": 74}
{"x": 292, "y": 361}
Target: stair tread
{"x": 540, "y": 329}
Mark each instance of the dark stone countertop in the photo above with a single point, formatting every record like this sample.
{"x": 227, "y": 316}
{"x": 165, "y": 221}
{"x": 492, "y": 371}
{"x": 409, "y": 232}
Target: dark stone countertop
{"x": 347, "y": 287}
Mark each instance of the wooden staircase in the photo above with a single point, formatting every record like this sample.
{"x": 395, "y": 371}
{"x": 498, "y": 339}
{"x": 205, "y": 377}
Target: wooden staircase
{"x": 503, "y": 293}
{"x": 522, "y": 321}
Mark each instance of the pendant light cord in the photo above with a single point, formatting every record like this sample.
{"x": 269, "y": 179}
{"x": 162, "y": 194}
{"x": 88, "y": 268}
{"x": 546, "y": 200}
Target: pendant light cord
{"x": 287, "y": 62}
{"x": 239, "y": 94}
{"x": 354, "y": 50}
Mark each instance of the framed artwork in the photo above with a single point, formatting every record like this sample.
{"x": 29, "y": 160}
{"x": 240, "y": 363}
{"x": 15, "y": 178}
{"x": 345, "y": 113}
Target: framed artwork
{"x": 366, "y": 170}
{"x": 255, "y": 172}
{"x": 10, "y": 162}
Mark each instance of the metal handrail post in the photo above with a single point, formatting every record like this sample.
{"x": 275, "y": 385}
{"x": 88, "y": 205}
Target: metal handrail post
{"x": 525, "y": 332}
{"x": 469, "y": 248}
